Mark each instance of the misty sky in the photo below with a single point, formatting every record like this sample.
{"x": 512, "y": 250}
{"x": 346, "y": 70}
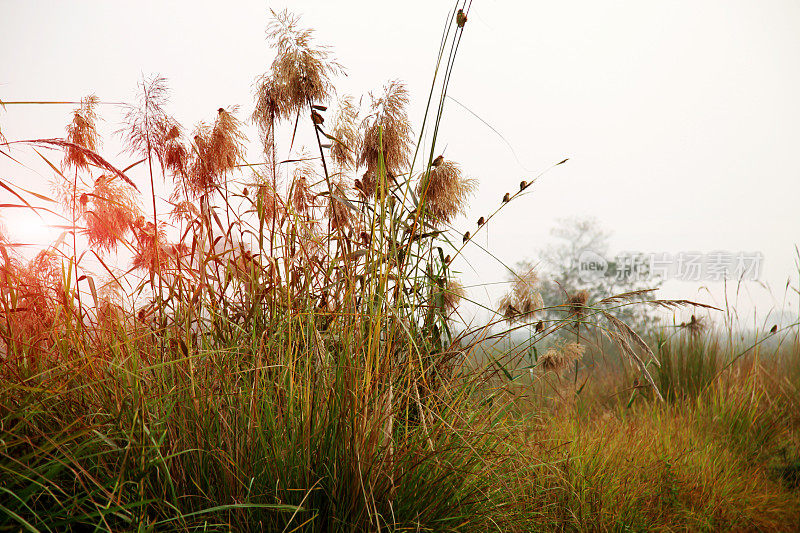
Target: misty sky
{"x": 681, "y": 119}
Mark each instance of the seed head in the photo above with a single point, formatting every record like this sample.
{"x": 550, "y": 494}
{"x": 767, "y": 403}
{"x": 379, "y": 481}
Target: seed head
{"x": 444, "y": 191}
{"x": 302, "y": 195}
{"x": 452, "y": 295}
{"x": 576, "y": 303}
{"x": 151, "y": 251}
{"x": 559, "y": 358}
{"x": 695, "y": 326}
{"x": 82, "y": 131}
{"x": 387, "y": 131}
{"x": 217, "y": 151}
{"x": 337, "y": 211}
{"x": 523, "y": 301}
{"x": 110, "y": 210}
{"x": 346, "y": 139}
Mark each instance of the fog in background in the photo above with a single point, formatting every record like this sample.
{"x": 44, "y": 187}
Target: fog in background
{"x": 681, "y": 119}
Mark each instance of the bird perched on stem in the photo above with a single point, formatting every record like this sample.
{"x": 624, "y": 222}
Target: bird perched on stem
{"x": 461, "y": 18}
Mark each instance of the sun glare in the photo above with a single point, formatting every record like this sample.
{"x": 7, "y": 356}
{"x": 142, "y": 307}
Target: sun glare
{"x": 31, "y": 230}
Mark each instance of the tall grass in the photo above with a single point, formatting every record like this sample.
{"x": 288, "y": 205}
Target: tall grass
{"x": 286, "y": 361}
{"x": 281, "y": 354}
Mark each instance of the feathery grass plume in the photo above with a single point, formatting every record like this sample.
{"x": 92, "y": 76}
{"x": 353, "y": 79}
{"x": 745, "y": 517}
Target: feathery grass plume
{"x": 82, "y": 131}
{"x": 452, "y": 295}
{"x": 444, "y": 191}
{"x": 35, "y": 292}
{"x": 201, "y": 178}
{"x": 272, "y": 103}
{"x": 301, "y": 195}
{"x": 336, "y": 210}
{"x": 304, "y": 69}
{"x": 561, "y": 357}
{"x": 269, "y": 202}
{"x": 300, "y": 191}
{"x": 576, "y": 303}
{"x": 185, "y": 211}
{"x": 146, "y": 126}
{"x": 695, "y": 326}
{"x": 366, "y": 185}
{"x": 146, "y": 122}
{"x": 150, "y": 248}
{"x": 299, "y": 75}
{"x": 526, "y": 292}
{"x": 523, "y": 300}
{"x": 226, "y": 146}
{"x": 387, "y": 131}
{"x": 346, "y": 134}
{"x": 172, "y": 153}
{"x": 217, "y": 151}
{"x": 507, "y": 308}
{"x": 110, "y": 212}
{"x": 73, "y": 197}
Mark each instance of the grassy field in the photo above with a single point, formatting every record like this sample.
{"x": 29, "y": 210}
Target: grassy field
{"x": 281, "y": 354}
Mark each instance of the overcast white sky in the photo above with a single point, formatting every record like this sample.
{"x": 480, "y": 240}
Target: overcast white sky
{"x": 681, "y": 119}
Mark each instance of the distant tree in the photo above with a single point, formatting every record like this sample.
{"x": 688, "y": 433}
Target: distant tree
{"x": 558, "y": 265}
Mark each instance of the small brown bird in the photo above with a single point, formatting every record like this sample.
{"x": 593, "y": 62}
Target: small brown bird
{"x": 447, "y": 259}
{"x": 774, "y": 329}
{"x": 466, "y": 237}
{"x": 522, "y": 185}
{"x": 221, "y": 110}
{"x": 506, "y": 198}
{"x": 438, "y": 161}
{"x": 461, "y": 18}
{"x": 539, "y": 326}
{"x": 245, "y": 191}
{"x": 316, "y": 118}
{"x": 481, "y": 221}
